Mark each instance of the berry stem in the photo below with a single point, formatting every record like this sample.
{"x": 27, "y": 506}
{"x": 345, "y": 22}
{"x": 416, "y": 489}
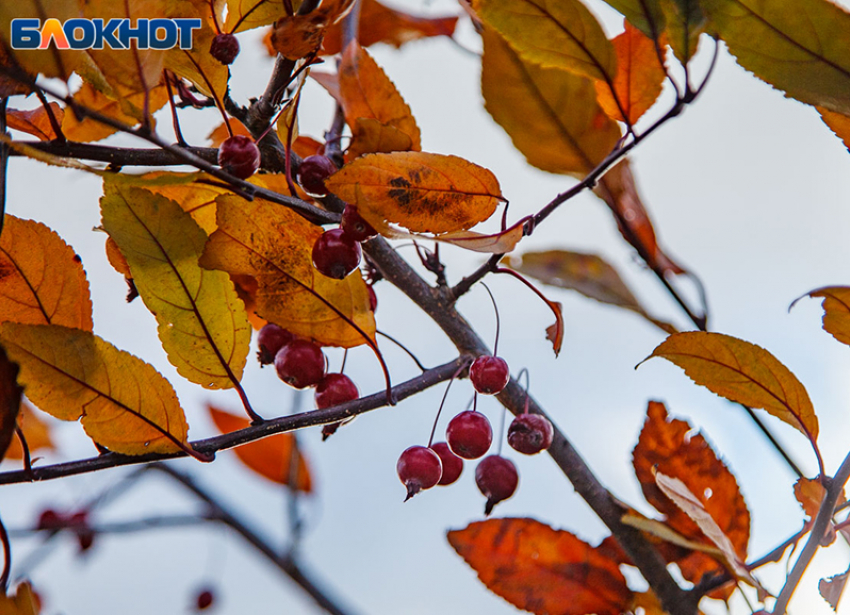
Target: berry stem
{"x": 502, "y": 427}
{"x": 344, "y": 358}
{"x": 404, "y": 348}
{"x": 25, "y": 448}
{"x": 524, "y": 370}
{"x": 7, "y": 558}
{"x": 498, "y": 323}
{"x": 460, "y": 369}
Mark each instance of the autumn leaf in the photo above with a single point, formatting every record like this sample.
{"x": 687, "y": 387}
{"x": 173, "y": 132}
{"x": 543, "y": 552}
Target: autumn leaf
{"x": 198, "y": 66}
{"x": 669, "y": 446}
{"x": 838, "y": 124}
{"x": 41, "y": 279}
{"x": 563, "y": 35}
{"x": 810, "y": 494}
{"x": 551, "y": 115}
{"x": 219, "y": 134}
{"x": 249, "y": 14}
{"x": 10, "y": 401}
{"x": 542, "y": 570}
{"x": 23, "y": 602}
{"x": 367, "y": 93}
{"x": 202, "y": 323}
{"x": 587, "y": 274}
{"x": 35, "y": 122}
{"x": 125, "y": 404}
{"x": 685, "y": 23}
{"x": 836, "y": 311}
{"x": 645, "y": 15}
{"x": 382, "y": 24}
{"x": 270, "y": 457}
{"x": 36, "y": 432}
{"x": 742, "y": 372}
{"x": 298, "y": 36}
{"x": 424, "y": 193}
{"x": 51, "y": 62}
{"x": 831, "y": 588}
{"x": 273, "y": 245}
{"x": 799, "y": 48}
{"x": 127, "y": 110}
{"x": 619, "y": 190}
{"x": 11, "y": 76}
{"x": 639, "y": 77}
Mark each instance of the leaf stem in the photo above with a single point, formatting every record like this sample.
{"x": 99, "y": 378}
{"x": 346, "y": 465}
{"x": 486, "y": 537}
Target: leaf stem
{"x": 7, "y": 558}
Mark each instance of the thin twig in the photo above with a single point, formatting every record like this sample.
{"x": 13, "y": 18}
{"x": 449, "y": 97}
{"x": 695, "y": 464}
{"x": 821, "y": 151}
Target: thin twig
{"x": 7, "y": 558}
{"x": 4, "y": 162}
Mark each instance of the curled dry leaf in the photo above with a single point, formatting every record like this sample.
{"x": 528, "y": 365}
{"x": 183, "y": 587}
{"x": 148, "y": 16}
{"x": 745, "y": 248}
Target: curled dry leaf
{"x": 542, "y": 570}
{"x": 424, "y": 193}
{"x": 836, "y": 311}
{"x": 203, "y": 325}
{"x": 832, "y": 588}
{"x": 41, "y": 278}
{"x": 35, "y": 122}
{"x": 125, "y": 404}
{"x": 271, "y": 457}
{"x": 36, "y": 431}
{"x": 810, "y": 493}
{"x": 742, "y": 372}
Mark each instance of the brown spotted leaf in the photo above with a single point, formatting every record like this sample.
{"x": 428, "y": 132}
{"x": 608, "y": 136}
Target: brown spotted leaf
{"x": 542, "y": 570}
{"x": 41, "y": 279}
{"x": 421, "y": 192}
{"x": 35, "y": 122}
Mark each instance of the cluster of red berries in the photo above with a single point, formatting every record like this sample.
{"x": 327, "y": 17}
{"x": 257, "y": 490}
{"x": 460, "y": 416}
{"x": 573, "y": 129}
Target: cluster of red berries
{"x": 469, "y": 436}
{"x": 77, "y": 522}
{"x": 301, "y": 363}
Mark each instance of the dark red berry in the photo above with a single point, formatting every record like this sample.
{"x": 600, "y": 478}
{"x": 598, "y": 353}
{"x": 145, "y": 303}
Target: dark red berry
{"x": 489, "y": 375}
{"x": 224, "y": 48}
{"x": 452, "y": 464}
{"x": 49, "y": 519}
{"x": 204, "y": 599}
{"x": 239, "y": 156}
{"x": 270, "y": 340}
{"x": 335, "y": 389}
{"x": 354, "y": 226}
{"x": 497, "y": 479}
{"x": 469, "y": 434}
{"x": 373, "y": 298}
{"x": 335, "y": 255}
{"x": 419, "y": 468}
{"x": 300, "y": 364}
{"x": 79, "y": 522}
{"x": 313, "y": 172}
{"x": 530, "y": 433}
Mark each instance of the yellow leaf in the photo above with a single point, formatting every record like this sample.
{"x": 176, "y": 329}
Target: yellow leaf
{"x": 744, "y": 373}
{"x": 127, "y": 110}
{"x": 125, "y": 404}
{"x": 50, "y": 62}
{"x": 836, "y": 311}
{"x": 561, "y": 34}
{"x": 197, "y": 65}
{"x": 36, "y": 432}
{"x": 248, "y": 14}
{"x": 23, "y": 602}
{"x": 202, "y": 323}
{"x": 41, "y": 279}
{"x": 367, "y": 93}
{"x": 551, "y": 115}
{"x": 273, "y": 245}
{"x": 798, "y": 46}
{"x": 424, "y": 193}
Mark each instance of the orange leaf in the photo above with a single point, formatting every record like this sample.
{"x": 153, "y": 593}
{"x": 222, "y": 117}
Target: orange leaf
{"x": 669, "y": 445}
{"x": 424, "y": 193}
{"x": 618, "y": 189}
{"x": 836, "y": 311}
{"x": 35, "y": 122}
{"x": 116, "y": 259}
{"x": 496, "y": 243}
{"x": 273, "y": 245}
{"x": 23, "y": 602}
{"x": 51, "y": 62}
{"x": 10, "y": 401}
{"x": 542, "y": 570}
{"x": 810, "y": 493}
{"x": 270, "y": 457}
{"x": 368, "y": 93}
{"x": 742, "y": 372}
{"x": 381, "y": 24}
{"x": 220, "y": 133}
{"x": 838, "y": 123}
{"x": 36, "y": 432}
{"x": 639, "y": 77}
{"x": 297, "y": 36}
{"x": 127, "y": 110}
{"x": 41, "y": 279}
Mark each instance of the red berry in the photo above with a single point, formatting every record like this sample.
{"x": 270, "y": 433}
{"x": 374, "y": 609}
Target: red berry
{"x": 300, "y": 364}
{"x": 49, "y": 519}
{"x": 79, "y": 522}
{"x": 497, "y": 479}
{"x": 335, "y": 389}
{"x": 204, "y": 599}
{"x": 313, "y": 172}
{"x": 530, "y": 433}
{"x": 224, "y": 48}
{"x": 452, "y": 464}
{"x": 239, "y": 156}
{"x": 419, "y": 468}
{"x": 469, "y": 434}
{"x": 373, "y": 298}
{"x": 270, "y": 340}
{"x": 335, "y": 255}
{"x": 354, "y": 226}
{"x": 489, "y": 375}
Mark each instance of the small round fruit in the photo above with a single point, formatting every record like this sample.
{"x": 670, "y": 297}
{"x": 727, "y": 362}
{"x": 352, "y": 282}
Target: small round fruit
{"x": 335, "y": 389}
{"x": 204, "y": 599}
{"x": 300, "y": 364}
{"x": 497, "y": 479}
{"x": 469, "y": 434}
{"x": 239, "y": 156}
{"x": 419, "y": 468}
{"x": 224, "y": 48}
{"x": 335, "y": 255}
{"x": 489, "y": 375}
{"x": 313, "y": 172}
{"x": 79, "y": 522}
{"x": 49, "y": 519}
{"x": 452, "y": 464}
{"x": 530, "y": 433}
{"x": 354, "y": 226}
{"x": 270, "y": 340}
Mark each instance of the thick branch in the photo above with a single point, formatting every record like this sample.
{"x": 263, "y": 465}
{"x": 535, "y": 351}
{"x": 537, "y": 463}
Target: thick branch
{"x": 118, "y": 156}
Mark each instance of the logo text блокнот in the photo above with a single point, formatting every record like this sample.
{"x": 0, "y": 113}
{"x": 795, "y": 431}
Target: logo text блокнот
{"x": 78, "y": 33}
